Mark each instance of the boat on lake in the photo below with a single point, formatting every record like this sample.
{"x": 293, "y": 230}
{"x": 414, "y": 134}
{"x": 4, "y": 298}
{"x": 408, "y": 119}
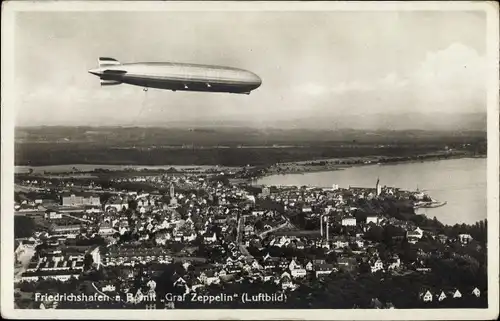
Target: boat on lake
{"x": 428, "y": 204}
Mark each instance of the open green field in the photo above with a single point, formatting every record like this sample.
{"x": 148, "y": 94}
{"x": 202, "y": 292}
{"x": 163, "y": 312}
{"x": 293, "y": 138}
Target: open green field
{"x": 227, "y": 146}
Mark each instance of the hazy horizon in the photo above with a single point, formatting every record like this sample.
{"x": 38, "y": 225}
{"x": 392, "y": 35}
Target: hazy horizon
{"x": 465, "y": 122}
{"x": 331, "y": 66}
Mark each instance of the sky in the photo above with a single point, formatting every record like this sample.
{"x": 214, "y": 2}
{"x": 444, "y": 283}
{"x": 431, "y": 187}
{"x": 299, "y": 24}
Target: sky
{"x": 312, "y": 64}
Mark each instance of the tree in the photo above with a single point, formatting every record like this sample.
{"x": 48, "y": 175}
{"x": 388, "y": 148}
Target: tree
{"x": 331, "y": 257}
{"x": 23, "y": 226}
{"x": 375, "y": 233}
{"x": 408, "y": 253}
{"x": 87, "y": 261}
{"x": 364, "y": 268}
{"x": 259, "y": 225}
{"x": 132, "y": 204}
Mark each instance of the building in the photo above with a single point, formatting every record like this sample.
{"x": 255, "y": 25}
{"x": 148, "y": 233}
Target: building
{"x": 427, "y": 297}
{"x": 106, "y": 229}
{"x": 347, "y": 263}
{"x": 62, "y": 276}
{"x": 60, "y": 229}
{"x": 395, "y": 262}
{"x": 349, "y": 221}
{"x": 298, "y": 272}
{"x": 116, "y": 206}
{"x": 372, "y": 219}
{"x": 108, "y": 288}
{"x": 52, "y": 215}
{"x": 415, "y": 235}
{"x": 378, "y": 265}
{"x": 172, "y": 190}
{"x": 79, "y": 199}
{"x": 324, "y": 269}
{"x": 96, "y": 256}
{"x": 464, "y": 238}
{"x": 60, "y": 267}
{"x": 173, "y": 199}
{"x": 125, "y": 256}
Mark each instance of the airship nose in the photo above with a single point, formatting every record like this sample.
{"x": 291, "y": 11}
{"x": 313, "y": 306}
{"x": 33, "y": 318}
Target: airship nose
{"x": 255, "y": 79}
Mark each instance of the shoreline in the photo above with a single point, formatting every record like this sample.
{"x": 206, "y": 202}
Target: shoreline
{"x": 95, "y": 168}
{"x": 301, "y": 169}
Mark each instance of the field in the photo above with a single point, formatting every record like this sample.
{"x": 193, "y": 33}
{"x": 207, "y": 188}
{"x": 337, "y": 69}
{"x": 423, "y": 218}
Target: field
{"x": 226, "y": 146}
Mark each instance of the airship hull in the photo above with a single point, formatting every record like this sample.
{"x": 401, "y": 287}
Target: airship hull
{"x": 189, "y": 85}
{"x": 178, "y": 77}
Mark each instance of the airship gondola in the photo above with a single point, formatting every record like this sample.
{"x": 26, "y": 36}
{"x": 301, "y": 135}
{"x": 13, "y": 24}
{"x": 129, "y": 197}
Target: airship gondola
{"x": 177, "y": 76}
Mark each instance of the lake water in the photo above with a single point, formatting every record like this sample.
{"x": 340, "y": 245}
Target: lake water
{"x": 459, "y": 182}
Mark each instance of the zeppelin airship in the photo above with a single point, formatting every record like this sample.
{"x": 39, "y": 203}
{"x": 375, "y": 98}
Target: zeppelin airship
{"x": 176, "y": 76}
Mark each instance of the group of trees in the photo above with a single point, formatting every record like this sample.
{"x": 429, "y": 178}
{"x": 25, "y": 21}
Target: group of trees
{"x": 23, "y": 226}
{"x": 72, "y": 153}
{"x": 345, "y": 290}
{"x": 478, "y": 230}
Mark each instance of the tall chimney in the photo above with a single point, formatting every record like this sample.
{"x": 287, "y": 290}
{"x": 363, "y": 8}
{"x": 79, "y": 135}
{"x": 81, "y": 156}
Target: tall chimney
{"x": 327, "y": 228}
{"x": 321, "y": 224}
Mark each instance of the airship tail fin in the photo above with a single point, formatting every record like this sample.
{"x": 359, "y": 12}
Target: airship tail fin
{"x": 106, "y": 61}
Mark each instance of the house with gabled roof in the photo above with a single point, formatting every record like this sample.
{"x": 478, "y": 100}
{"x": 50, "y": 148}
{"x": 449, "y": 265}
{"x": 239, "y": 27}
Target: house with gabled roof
{"x": 298, "y": 272}
{"x": 208, "y": 277}
{"x": 464, "y": 238}
{"x": 286, "y": 281}
{"x": 180, "y": 282}
{"x": 324, "y": 269}
{"x": 293, "y": 265}
{"x": 377, "y": 265}
{"x": 415, "y": 235}
{"x": 394, "y": 262}
{"x": 427, "y": 296}
{"x": 246, "y": 267}
{"x": 376, "y": 304}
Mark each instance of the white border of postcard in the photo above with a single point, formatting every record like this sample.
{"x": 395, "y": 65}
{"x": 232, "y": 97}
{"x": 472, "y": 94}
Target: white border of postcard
{"x": 9, "y": 10}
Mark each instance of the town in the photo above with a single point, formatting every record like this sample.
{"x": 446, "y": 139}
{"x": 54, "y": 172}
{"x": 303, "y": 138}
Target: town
{"x": 148, "y": 239}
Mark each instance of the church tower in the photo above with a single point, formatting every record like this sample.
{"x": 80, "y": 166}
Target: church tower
{"x": 173, "y": 200}
{"x": 378, "y": 187}
{"x": 172, "y": 190}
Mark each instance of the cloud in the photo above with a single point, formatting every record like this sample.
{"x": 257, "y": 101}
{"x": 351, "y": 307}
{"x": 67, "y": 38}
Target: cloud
{"x": 453, "y": 78}
{"x": 315, "y": 64}
{"x": 449, "y": 80}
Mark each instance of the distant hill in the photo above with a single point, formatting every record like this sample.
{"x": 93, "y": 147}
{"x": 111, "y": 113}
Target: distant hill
{"x": 376, "y": 121}
{"x": 229, "y": 136}
{"x": 225, "y": 145}
{"x": 373, "y": 121}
